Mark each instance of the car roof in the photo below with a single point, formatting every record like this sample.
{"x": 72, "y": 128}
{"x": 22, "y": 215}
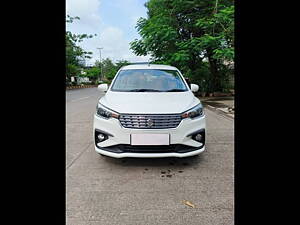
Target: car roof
{"x": 148, "y": 66}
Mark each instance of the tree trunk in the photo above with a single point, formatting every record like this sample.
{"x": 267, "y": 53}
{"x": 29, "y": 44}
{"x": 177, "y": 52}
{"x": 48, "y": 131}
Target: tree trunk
{"x": 213, "y": 66}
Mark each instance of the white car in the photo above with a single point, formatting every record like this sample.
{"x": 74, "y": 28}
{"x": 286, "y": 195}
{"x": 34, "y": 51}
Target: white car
{"x": 149, "y": 111}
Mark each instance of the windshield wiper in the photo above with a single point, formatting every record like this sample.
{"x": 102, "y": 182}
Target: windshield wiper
{"x": 144, "y": 90}
{"x": 175, "y": 90}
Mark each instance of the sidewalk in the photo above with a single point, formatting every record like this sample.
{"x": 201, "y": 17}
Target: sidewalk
{"x": 81, "y": 86}
{"x": 223, "y": 105}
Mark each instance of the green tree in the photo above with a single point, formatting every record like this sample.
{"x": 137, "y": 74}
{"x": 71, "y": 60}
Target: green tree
{"x": 93, "y": 74}
{"x": 185, "y": 33}
{"x": 109, "y": 68}
{"x": 75, "y": 55}
{"x": 121, "y": 63}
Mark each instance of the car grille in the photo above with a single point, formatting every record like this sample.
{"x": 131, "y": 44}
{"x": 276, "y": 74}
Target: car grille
{"x": 152, "y": 121}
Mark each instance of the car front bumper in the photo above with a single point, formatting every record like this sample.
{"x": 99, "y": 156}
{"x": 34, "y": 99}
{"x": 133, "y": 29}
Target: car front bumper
{"x": 118, "y": 135}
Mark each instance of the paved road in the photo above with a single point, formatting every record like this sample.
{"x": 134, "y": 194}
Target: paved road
{"x": 132, "y": 191}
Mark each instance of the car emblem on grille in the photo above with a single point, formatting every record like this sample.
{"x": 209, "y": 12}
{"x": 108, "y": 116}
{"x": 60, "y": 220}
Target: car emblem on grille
{"x": 150, "y": 122}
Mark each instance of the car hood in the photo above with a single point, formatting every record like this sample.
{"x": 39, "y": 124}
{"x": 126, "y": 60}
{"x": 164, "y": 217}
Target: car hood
{"x": 149, "y": 102}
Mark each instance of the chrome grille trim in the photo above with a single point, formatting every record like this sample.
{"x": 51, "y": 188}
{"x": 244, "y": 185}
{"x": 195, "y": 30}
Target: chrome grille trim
{"x": 150, "y": 121}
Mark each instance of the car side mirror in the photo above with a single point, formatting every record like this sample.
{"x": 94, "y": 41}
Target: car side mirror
{"x": 103, "y": 87}
{"x": 194, "y": 87}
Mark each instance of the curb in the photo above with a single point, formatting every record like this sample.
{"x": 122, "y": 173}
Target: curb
{"x": 78, "y": 87}
{"x": 219, "y": 111}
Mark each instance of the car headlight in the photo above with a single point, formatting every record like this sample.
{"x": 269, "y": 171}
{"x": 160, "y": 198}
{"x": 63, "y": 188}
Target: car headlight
{"x": 194, "y": 112}
{"x": 105, "y": 113}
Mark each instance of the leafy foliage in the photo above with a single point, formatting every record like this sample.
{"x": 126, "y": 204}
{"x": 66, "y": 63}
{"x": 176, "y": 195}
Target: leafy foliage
{"x": 109, "y": 69}
{"x": 75, "y": 58}
{"x": 196, "y": 36}
{"x": 92, "y": 73}
{"x": 219, "y": 33}
{"x": 75, "y": 55}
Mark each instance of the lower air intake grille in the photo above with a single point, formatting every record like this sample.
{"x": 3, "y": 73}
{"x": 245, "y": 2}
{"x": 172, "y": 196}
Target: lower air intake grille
{"x": 150, "y": 149}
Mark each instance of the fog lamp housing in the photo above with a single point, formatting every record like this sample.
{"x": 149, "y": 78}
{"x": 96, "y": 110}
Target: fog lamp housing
{"x": 100, "y": 136}
{"x": 198, "y": 136}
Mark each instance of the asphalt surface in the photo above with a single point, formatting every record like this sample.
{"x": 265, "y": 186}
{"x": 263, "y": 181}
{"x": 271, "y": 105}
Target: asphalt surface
{"x": 131, "y": 191}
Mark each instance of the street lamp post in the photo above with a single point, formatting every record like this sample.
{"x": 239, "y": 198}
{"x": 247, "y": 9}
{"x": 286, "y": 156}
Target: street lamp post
{"x": 100, "y": 63}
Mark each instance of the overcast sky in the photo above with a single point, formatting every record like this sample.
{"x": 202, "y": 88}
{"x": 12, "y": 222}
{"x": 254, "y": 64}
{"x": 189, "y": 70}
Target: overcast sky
{"x": 114, "y": 23}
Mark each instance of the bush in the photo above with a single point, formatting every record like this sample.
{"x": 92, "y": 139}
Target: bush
{"x": 227, "y": 82}
{"x": 201, "y": 77}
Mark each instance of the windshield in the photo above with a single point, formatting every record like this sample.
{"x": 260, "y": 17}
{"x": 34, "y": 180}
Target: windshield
{"x": 148, "y": 80}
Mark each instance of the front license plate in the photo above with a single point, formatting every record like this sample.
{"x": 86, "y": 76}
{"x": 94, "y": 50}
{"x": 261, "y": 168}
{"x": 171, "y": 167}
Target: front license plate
{"x": 150, "y": 139}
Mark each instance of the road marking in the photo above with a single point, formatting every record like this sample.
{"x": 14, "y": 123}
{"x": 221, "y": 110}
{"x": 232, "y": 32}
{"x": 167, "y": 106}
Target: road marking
{"x": 80, "y": 99}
